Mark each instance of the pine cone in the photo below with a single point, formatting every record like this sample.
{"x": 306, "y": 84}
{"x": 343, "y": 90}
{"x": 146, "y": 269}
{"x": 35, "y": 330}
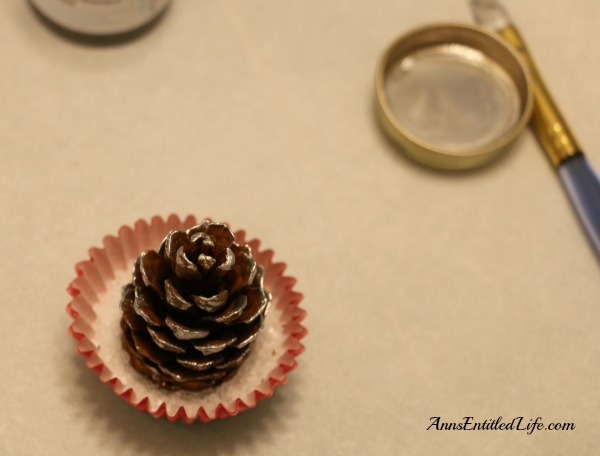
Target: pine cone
{"x": 194, "y": 308}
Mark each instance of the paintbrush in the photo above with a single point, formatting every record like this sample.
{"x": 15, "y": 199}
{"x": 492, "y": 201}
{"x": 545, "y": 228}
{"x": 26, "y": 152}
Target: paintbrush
{"x": 578, "y": 177}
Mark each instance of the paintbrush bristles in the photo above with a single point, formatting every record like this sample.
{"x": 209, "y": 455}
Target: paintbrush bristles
{"x": 490, "y": 14}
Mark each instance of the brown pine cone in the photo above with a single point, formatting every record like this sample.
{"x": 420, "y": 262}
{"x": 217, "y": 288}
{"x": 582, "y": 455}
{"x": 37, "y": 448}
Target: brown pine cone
{"x": 194, "y": 308}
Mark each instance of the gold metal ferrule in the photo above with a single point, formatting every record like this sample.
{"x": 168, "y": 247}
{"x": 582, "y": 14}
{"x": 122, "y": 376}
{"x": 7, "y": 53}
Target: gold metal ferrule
{"x": 552, "y": 131}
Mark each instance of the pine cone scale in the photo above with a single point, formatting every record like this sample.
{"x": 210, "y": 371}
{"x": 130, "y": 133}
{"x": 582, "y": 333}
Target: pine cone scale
{"x": 137, "y": 280}
{"x": 231, "y": 313}
{"x": 213, "y": 303}
{"x": 225, "y": 262}
{"x": 138, "y": 361}
{"x": 168, "y": 343}
{"x": 184, "y": 267}
{"x": 182, "y": 332}
{"x": 184, "y": 375}
{"x": 220, "y": 234}
{"x": 145, "y": 347}
{"x": 247, "y": 333}
{"x": 216, "y": 344}
{"x": 130, "y": 317}
{"x": 198, "y": 362}
{"x": 145, "y": 307}
{"x": 173, "y": 297}
{"x": 153, "y": 271}
{"x": 235, "y": 360}
{"x": 257, "y": 302}
{"x": 205, "y": 262}
{"x": 243, "y": 271}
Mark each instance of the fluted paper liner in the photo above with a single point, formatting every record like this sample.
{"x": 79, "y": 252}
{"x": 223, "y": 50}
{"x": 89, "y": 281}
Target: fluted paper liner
{"x": 96, "y": 313}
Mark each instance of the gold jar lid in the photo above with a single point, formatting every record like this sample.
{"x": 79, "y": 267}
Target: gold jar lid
{"x": 453, "y": 96}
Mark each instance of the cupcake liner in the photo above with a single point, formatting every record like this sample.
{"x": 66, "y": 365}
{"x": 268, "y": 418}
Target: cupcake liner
{"x": 96, "y": 293}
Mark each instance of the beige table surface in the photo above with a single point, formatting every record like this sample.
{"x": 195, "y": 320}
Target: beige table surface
{"x": 429, "y": 294}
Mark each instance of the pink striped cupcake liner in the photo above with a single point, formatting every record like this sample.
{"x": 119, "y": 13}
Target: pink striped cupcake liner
{"x": 96, "y": 293}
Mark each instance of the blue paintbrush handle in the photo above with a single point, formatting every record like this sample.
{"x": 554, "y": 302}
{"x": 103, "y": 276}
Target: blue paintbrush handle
{"x": 583, "y": 187}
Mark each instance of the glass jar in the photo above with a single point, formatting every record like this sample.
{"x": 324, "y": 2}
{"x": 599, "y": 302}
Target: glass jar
{"x": 101, "y": 17}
